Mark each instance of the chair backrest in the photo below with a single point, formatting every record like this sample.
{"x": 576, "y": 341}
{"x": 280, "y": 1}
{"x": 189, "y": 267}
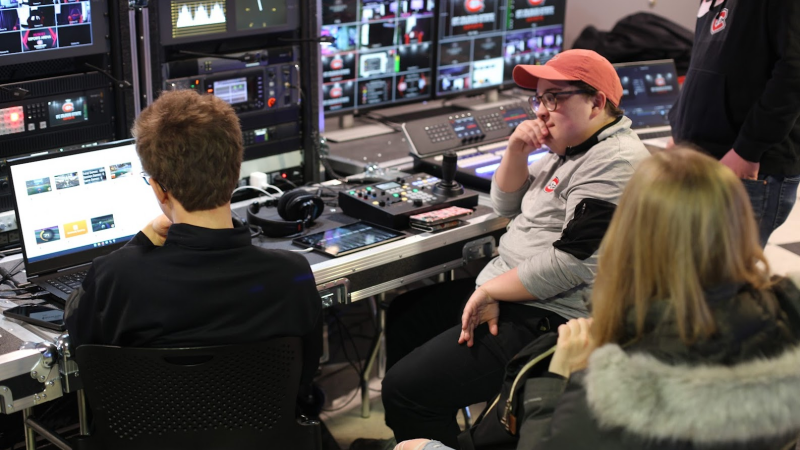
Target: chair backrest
{"x": 223, "y": 397}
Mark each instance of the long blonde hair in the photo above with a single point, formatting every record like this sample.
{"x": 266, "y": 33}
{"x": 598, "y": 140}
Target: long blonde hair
{"x": 684, "y": 224}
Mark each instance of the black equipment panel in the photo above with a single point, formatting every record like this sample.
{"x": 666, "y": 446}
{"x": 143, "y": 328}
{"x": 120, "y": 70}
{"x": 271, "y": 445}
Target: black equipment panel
{"x": 436, "y": 135}
{"x": 39, "y": 116}
{"x": 390, "y": 203}
{"x": 262, "y": 88}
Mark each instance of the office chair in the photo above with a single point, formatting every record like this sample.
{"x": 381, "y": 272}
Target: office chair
{"x": 224, "y": 397}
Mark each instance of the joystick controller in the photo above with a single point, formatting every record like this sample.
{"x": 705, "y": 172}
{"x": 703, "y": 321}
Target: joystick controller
{"x": 449, "y": 187}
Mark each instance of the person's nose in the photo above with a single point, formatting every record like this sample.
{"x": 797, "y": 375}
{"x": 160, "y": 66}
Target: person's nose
{"x": 542, "y": 112}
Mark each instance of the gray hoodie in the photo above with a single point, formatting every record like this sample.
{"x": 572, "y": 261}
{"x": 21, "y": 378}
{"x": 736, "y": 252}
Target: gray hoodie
{"x": 543, "y": 207}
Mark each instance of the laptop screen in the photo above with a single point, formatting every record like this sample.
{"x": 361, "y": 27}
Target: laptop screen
{"x": 74, "y": 206}
{"x": 649, "y": 89}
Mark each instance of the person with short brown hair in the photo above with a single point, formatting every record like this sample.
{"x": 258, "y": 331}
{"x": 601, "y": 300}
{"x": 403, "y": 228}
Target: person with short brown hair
{"x": 190, "y": 278}
{"x": 200, "y": 131}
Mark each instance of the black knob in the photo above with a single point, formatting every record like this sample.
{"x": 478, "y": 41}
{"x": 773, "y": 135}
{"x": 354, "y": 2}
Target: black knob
{"x": 382, "y": 203}
{"x": 417, "y": 202}
{"x": 448, "y": 186}
{"x": 449, "y": 167}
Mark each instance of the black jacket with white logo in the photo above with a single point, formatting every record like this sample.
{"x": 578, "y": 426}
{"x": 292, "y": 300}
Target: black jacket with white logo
{"x": 742, "y": 90}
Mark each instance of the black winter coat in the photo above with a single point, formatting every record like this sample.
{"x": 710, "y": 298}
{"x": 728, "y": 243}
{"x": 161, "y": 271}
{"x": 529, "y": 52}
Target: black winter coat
{"x": 738, "y": 390}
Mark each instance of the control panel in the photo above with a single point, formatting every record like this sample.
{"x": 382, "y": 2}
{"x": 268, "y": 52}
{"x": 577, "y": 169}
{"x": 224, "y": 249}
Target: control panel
{"x": 390, "y": 203}
{"x": 262, "y": 86}
{"x": 251, "y": 82}
{"x": 439, "y": 134}
{"x": 43, "y": 115}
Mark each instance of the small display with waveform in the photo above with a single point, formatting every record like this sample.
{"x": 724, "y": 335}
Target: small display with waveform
{"x": 198, "y": 17}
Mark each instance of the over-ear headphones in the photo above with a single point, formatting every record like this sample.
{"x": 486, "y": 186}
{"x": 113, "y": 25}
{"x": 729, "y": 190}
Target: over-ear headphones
{"x": 298, "y": 208}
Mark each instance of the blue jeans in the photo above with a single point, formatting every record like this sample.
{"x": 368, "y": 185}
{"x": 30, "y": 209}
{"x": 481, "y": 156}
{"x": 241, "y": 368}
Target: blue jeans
{"x": 773, "y": 197}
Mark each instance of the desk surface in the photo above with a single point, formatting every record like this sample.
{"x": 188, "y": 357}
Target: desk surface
{"x": 369, "y": 272}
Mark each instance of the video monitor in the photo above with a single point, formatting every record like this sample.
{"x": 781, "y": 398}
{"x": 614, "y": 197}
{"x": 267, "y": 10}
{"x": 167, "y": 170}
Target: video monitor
{"x": 481, "y": 41}
{"x": 186, "y": 21}
{"x": 382, "y": 53}
{"x": 38, "y": 30}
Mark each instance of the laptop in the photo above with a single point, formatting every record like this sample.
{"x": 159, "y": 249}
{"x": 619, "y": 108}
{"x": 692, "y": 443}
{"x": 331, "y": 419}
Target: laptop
{"x": 76, "y": 205}
{"x": 649, "y": 89}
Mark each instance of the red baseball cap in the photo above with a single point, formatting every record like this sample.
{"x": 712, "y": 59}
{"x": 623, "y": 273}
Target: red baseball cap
{"x": 574, "y": 65}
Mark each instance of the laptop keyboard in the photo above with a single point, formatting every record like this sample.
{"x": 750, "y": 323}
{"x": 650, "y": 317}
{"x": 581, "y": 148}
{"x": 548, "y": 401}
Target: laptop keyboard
{"x": 655, "y": 134}
{"x": 68, "y": 283}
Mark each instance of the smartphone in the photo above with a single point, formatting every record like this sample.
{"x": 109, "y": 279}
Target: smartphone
{"x": 439, "y": 216}
{"x": 40, "y": 315}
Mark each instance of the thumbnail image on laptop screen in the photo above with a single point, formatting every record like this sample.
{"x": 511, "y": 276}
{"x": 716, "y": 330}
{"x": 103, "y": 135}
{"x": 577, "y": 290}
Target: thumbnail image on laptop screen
{"x": 81, "y": 201}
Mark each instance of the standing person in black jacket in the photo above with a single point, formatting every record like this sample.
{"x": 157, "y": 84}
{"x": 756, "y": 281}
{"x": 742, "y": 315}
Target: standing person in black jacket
{"x": 189, "y": 278}
{"x": 691, "y": 344}
{"x": 741, "y": 99}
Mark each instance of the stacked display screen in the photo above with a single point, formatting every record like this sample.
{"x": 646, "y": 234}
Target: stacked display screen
{"x": 31, "y": 26}
{"x": 187, "y": 21}
{"x": 390, "y": 51}
{"x": 382, "y": 52}
{"x": 482, "y": 40}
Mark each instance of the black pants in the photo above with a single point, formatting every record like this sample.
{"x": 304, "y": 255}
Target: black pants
{"x": 430, "y": 375}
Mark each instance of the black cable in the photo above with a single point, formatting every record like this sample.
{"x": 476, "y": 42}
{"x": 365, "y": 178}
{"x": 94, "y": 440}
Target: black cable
{"x": 358, "y": 368}
{"x": 287, "y": 181}
{"x": 327, "y": 166}
{"x": 342, "y": 329}
{"x": 8, "y": 275}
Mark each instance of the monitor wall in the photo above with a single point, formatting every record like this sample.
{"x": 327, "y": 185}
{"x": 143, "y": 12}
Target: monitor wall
{"x": 480, "y": 41}
{"x": 382, "y": 53}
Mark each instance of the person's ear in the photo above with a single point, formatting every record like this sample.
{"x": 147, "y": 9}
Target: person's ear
{"x": 160, "y": 193}
{"x": 598, "y": 103}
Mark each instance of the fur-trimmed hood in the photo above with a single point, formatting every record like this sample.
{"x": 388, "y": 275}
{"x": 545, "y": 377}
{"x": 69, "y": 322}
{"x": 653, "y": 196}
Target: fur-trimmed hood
{"x": 705, "y": 404}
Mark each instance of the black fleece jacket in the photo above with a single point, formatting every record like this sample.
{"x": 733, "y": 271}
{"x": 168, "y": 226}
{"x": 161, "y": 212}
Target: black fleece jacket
{"x": 203, "y": 287}
{"x": 742, "y": 90}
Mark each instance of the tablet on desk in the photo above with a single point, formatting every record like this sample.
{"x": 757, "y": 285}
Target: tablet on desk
{"x": 348, "y": 239}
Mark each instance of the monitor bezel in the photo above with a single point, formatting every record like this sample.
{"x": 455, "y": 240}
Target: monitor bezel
{"x": 100, "y": 41}
{"x": 165, "y": 24}
{"x": 71, "y": 259}
{"x": 506, "y": 84}
{"x": 360, "y": 110}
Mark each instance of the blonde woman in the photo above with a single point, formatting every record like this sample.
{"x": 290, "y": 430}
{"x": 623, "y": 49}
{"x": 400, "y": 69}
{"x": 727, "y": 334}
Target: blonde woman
{"x": 691, "y": 344}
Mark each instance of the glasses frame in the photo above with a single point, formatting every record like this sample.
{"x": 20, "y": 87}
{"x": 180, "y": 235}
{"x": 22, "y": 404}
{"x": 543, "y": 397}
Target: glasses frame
{"x": 536, "y": 100}
{"x": 146, "y": 177}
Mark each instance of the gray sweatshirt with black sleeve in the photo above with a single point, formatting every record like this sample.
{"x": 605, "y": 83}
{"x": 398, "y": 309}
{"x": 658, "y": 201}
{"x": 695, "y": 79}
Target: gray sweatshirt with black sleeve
{"x": 560, "y": 215}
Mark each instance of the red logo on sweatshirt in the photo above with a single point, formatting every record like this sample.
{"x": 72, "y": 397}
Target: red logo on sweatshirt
{"x": 551, "y": 186}
{"x": 719, "y": 22}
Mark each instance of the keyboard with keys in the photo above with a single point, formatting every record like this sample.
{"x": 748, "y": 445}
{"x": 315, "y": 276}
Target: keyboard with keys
{"x": 68, "y": 283}
{"x": 479, "y": 138}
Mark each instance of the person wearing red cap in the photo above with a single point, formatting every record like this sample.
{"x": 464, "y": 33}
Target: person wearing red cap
{"x": 561, "y": 206}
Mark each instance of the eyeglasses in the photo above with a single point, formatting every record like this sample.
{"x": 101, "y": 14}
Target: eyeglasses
{"x": 146, "y": 177}
{"x": 550, "y": 99}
